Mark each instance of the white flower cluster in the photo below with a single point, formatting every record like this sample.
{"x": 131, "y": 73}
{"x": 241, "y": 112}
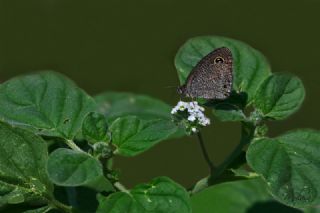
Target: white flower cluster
{"x": 195, "y": 113}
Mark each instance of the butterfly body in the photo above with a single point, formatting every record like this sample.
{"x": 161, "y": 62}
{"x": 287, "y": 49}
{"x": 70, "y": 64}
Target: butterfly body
{"x": 211, "y": 78}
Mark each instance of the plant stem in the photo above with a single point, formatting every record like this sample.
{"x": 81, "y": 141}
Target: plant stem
{"x": 58, "y": 205}
{"x": 109, "y": 164}
{"x": 205, "y": 154}
{"x": 73, "y": 146}
{"x": 121, "y": 187}
{"x": 247, "y": 133}
{"x": 226, "y": 163}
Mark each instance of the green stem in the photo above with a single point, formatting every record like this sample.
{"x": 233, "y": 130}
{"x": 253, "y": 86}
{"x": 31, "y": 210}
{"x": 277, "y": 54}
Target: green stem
{"x": 205, "y": 154}
{"x": 121, "y": 187}
{"x": 73, "y": 146}
{"x": 226, "y": 163}
{"x": 58, "y": 205}
{"x": 109, "y": 164}
{"x": 247, "y": 133}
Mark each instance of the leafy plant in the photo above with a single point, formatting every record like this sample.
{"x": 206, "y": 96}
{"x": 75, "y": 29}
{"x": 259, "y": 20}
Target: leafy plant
{"x": 58, "y": 144}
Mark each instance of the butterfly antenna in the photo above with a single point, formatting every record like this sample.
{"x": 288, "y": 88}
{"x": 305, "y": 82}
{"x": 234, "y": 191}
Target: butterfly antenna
{"x": 172, "y": 92}
{"x": 169, "y": 87}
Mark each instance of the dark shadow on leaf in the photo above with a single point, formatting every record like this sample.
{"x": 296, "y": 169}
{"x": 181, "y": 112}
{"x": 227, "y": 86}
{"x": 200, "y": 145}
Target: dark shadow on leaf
{"x": 228, "y": 175}
{"x": 235, "y": 99}
{"x": 271, "y": 206}
{"x": 19, "y": 208}
{"x": 81, "y": 198}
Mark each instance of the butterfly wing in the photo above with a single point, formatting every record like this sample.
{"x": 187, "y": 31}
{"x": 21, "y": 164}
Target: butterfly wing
{"x": 212, "y": 77}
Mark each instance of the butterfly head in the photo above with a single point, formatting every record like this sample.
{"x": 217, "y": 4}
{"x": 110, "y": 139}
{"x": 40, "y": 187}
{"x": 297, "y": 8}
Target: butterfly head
{"x": 181, "y": 90}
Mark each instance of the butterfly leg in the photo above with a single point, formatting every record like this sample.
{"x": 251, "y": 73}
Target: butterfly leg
{"x": 192, "y": 98}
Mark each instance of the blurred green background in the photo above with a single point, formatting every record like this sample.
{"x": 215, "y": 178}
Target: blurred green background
{"x": 129, "y": 45}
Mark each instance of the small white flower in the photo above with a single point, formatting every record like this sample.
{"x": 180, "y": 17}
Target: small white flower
{"x": 195, "y": 116}
{"x": 204, "y": 122}
{"x": 181, "y": 106}
{"x": 192, "y": 118}
{"x": 174, "y": 110}
{"x": 200, "y": 115}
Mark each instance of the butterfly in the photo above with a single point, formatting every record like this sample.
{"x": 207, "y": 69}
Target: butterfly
{"x": 211, "y": 78}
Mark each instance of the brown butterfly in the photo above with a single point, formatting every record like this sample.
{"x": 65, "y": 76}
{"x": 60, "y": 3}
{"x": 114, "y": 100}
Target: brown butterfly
{"x": 211, "y": 78}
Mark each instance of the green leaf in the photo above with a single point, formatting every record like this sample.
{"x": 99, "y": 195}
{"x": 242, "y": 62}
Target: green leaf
{"x": 94, "y": 127}
{"x": 74, "y": 168}
{"x": 28, "y": 208}
{"x": 280, "y": 96}
{"x": 118, "y": 104}
{"x": 250, "y": 66}
{"x": 132, "y": 136}
{"x": 23, "y": 158}
{"x": 39, "y": 210}
{"x": 290, "y": 165}
{"x": 161, "y": 195}
{"x": 314, "y": 209}
{"x": 244, "y": 172}
{"x": 228, "y": 112}
{"x": 47, "y": 103}
{"x": 237, "y": 196}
